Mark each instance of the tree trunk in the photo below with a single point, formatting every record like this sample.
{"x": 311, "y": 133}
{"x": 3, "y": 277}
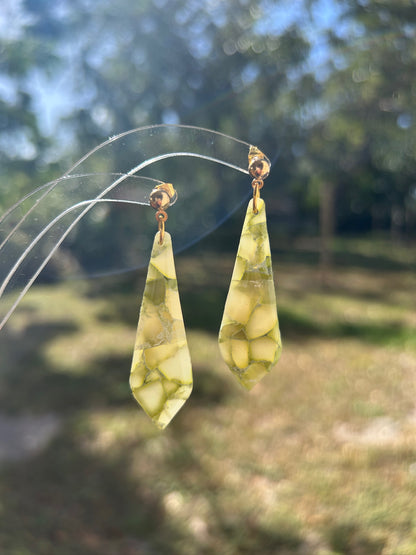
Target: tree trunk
{"x": 327, "y": 228}
{"x": 396, "y": 222}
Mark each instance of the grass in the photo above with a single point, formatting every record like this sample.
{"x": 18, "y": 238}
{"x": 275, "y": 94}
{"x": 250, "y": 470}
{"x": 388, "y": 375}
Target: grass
{"x": 320, "y": 458}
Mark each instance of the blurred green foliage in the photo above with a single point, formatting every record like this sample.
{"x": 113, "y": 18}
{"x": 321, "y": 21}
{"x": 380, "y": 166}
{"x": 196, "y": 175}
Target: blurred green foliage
{"x": 325, "y": 89}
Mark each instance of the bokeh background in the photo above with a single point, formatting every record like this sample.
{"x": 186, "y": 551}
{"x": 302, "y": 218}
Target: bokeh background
{"x": 320, "y": 458}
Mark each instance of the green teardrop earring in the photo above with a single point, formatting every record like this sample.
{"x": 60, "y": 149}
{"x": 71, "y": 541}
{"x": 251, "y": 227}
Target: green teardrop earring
{"x": 249, "y": 337}
{"x": 161, "y": 371}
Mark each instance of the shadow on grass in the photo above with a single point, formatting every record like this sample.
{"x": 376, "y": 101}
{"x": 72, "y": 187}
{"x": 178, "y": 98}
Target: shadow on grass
{"x": 38, "y": 386}
{"x": 350, "y": 539}
{"x": 295, "y": 325}
{"x": 346, "y": 253}
{"x": 15, "y": 347}
{"x": 280, "y": 536}
{"x": 67, "y": 500}
{"x": 209, "y": 389}
{"x": 30, "y": 381}
{"x": 379, "y": 263}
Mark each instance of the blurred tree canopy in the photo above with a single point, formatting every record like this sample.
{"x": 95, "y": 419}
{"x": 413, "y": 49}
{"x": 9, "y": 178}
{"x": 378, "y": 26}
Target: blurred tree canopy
{"x": 363, "y": 140}
{"x": 326, "y": 89}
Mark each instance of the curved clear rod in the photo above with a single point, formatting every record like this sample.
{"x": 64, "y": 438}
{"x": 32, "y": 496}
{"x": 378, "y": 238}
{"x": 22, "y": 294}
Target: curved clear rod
{"x": 141, "y": 198}
{"x": 203, "y": 143}
{"x": 13, "y": 247}
{"x": 151, "y": 144}
{"x": 41, "y": 188}
{"x": 10, "y": 212}
{"x": 91, "y": 202}
{"x": 118, "y": 155}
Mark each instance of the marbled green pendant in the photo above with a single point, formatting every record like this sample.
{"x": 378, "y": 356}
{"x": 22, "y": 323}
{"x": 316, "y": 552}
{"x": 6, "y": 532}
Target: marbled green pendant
{"x": 161, "y": 373}
{"x": 249, "y": 337}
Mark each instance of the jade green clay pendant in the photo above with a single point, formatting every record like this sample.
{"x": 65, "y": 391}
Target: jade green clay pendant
{"x": 161, "y": 373}
{"x": 249, "y": 337}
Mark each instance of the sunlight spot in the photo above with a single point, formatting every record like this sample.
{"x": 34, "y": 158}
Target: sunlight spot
{"x": 198, "y": 528}
{"x": 412, "y": 469}
{"x": 102, "y": 117}
{"x": 360, "y": 74}
{"x": 173, "y": 502}
{"x": 407, "y": 361}
{"x": 232, "y": 478}
{"x": 170, "y": 117}
{"x": 404, "y": 121}
{"x": 380, "y": 431}
{"x": 229, "y": 47}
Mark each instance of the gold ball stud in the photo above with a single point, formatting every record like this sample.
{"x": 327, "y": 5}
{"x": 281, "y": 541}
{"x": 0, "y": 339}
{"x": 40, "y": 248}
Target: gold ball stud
{"x": 258, "y": 163}
{"x": 163, "y": 196}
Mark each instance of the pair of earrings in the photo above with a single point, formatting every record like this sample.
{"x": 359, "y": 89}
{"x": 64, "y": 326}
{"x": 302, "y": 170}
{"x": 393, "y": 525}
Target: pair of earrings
{"x": 249, "y": 337}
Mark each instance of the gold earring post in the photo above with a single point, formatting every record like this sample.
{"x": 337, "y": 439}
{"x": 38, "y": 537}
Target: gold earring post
{"x": 259, "y": 169}
{"x": 162, "y": 196}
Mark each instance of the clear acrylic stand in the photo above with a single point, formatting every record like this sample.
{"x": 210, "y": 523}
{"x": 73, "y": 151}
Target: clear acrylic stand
{"x": 33, "y": 229}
